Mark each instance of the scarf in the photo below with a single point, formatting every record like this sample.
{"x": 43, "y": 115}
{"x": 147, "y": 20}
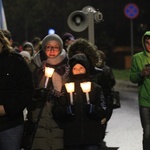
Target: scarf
{"x": 61, "y": 66}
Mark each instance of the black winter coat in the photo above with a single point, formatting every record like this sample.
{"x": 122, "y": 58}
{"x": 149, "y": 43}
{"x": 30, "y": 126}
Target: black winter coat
{"x": 81, "y": 127}
{"x": 16, "y": 88}
{"x": 98, "y": 76}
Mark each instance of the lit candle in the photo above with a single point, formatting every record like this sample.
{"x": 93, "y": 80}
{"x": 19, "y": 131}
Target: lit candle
{"x": 70, "y": 90}
{"x": 48, "y": 73}
{"x": 86, "y": 88}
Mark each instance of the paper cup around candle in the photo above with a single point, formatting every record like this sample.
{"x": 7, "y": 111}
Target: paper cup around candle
{"x": 69, "y": 87}
{"x": 70, "y": 90}
{"x": 49, "y": 71}
{"x": 86, "y": 86}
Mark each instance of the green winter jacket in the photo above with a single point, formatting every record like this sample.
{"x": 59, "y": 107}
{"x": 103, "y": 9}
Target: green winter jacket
{"x": 139, "y": 60}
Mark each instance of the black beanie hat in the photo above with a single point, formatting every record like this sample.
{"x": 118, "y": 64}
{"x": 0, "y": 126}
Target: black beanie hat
{"x": 67, "y": 36}
{"x": 79, "y": 59}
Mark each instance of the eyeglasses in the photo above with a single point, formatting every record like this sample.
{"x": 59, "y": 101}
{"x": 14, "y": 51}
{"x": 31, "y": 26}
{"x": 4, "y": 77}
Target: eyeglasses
{"x": 50, "y": 48}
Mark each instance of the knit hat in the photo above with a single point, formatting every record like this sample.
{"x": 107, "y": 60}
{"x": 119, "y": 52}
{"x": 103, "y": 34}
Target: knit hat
{"x": 79, "y": 59}
{"x": 67, "y": 36}
{"x": 25, "y": 54}
{"x": 52, "y": 37}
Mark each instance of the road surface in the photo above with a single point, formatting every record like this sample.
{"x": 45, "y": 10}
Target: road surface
{"x": 124, "y": 131}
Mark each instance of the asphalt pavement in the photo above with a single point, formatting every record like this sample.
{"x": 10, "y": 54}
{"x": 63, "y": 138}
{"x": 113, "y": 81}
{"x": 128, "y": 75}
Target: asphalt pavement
{"x": 124, "y": 131}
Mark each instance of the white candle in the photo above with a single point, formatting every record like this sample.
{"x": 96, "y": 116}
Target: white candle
{"x": 48, "y": 73}
{"x": 70, "y": 90}
{"x": 87, "y": 98}
{"x": 71, "y": 98}
{"x": 46, "y": 82}
{"x": 86, "y": 88}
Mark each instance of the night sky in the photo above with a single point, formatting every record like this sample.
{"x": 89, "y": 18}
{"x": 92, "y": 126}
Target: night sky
{"x": 114, "y": 29}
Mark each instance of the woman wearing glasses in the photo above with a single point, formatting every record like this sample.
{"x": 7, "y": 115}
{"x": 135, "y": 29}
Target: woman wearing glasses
{"x": 48, "y": 135}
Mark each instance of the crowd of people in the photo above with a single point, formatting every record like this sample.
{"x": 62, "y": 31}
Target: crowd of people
{"x": 68, "y": 121}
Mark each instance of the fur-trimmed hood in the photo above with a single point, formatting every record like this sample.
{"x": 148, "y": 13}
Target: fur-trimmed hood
{"x": 84, "y": 46}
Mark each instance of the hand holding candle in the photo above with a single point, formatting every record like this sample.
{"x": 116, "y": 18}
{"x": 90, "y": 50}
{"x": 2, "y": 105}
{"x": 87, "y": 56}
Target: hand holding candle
{"x": 48, "y": 73}
{"x": 86, "y": 87}
{"x": 70, "y": 89}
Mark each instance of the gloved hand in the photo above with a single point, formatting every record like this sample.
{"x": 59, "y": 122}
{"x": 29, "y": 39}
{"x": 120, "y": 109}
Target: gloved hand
{"x": 41, "y": 93}
{"x": 44, "y": 93}
{"x": 71, "y": 110}
{"x": 56, "y": 94}
{"x": 145, "y": 71}
{"x": 89, "y": 108}
{"x": 39, "y": 99}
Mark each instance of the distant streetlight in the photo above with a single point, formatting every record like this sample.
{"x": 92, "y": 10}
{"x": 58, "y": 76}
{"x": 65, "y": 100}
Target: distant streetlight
{"x": 51, "y": 31}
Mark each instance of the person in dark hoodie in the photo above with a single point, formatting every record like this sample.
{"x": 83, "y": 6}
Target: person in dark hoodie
{"x": 140, "y": 74}
{"x": 16, "y": 91}
{"x": 107, "y": 69}
{"x": 81, "y": 120}
{"x": 96, "y": 74}
{"x": 68, "y": 39}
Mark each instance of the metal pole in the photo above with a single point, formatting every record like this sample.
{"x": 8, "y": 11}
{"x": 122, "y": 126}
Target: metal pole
{"x": 91, "y": 27}
{"x": 132, "y": 42}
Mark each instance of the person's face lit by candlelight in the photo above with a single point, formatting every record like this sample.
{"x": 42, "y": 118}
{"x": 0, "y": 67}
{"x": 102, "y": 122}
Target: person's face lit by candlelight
{"x": 78, "y": 69}
{"x": 52, "y": 49}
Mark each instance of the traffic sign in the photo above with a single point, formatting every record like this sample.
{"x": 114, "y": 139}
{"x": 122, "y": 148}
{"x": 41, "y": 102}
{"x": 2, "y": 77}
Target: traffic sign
{"x": 131, "y": 10}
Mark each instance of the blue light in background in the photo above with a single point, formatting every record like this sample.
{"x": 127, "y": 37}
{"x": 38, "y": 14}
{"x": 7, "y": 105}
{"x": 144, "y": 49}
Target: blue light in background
{"x": 51, "y": 31}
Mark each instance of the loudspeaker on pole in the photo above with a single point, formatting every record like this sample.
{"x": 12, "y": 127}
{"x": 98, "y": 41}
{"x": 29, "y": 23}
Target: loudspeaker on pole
{"x": 78, "y": 21}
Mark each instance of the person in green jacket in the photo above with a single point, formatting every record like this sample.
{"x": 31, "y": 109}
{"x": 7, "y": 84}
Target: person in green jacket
{"x": 140, "y": 74}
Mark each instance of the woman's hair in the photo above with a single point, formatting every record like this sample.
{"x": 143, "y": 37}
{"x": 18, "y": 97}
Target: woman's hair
{"x": 5, "y": 42}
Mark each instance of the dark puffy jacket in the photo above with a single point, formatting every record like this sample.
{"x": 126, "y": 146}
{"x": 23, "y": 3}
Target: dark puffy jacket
{"x": 81, "y": 122}
{"x": 16, "y": 88}
{"x": 97, "y": 75}
{"x": 83, "y": 127}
